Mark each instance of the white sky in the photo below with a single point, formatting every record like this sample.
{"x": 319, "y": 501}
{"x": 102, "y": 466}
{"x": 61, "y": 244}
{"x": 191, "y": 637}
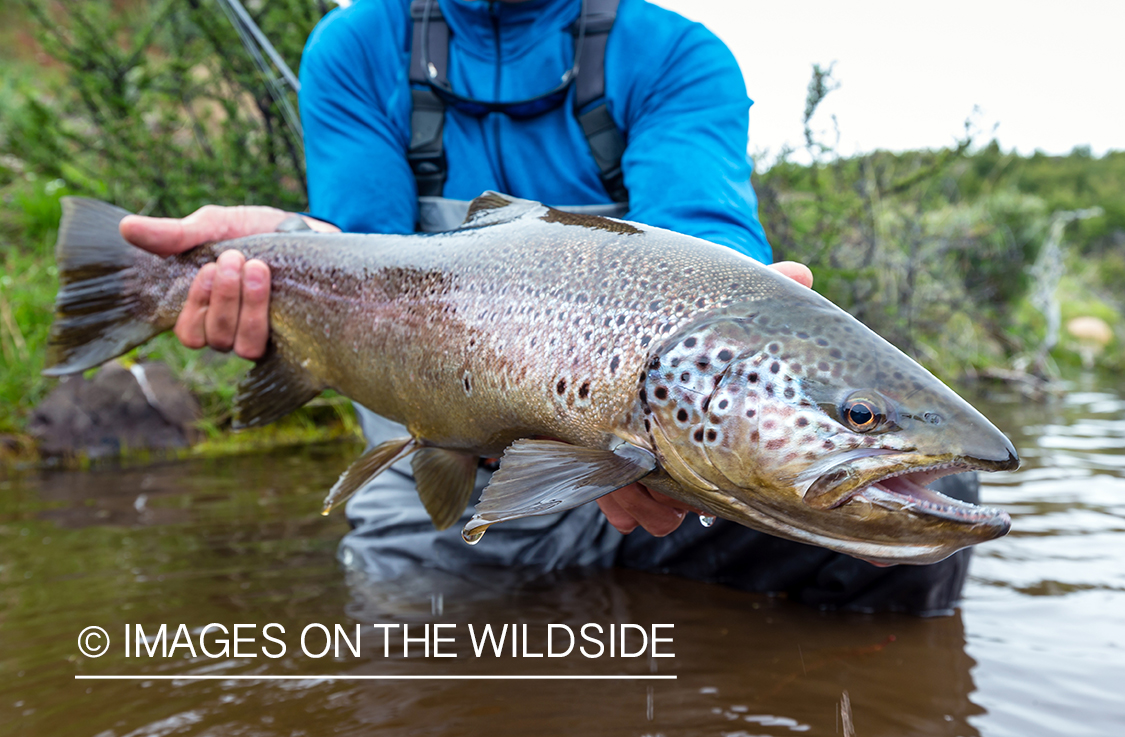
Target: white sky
{"x": 1048, "y": 75}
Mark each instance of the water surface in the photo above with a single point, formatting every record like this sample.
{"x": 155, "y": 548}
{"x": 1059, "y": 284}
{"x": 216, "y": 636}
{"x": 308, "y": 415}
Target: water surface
{"x": 1038, "y": 647}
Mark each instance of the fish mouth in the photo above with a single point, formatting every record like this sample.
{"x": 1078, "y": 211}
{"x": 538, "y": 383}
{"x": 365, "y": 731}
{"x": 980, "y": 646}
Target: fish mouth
{"x": 911, "y": 491}
{"x": 904, "y": 486}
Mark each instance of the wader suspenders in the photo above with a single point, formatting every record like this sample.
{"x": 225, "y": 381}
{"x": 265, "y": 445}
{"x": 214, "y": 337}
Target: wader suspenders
{"x": 426, "y": 153}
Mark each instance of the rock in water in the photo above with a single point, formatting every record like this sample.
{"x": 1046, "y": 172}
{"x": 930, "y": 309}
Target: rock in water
{"x": 118, "y": 409}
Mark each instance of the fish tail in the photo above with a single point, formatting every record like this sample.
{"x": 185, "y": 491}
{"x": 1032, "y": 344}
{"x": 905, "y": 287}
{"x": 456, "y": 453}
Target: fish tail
{"x": 102, "y": 309}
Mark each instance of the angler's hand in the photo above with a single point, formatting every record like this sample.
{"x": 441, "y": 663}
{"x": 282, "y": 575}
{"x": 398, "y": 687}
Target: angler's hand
{"x": 635, "y": 506}
{"x": 228, "y": 303}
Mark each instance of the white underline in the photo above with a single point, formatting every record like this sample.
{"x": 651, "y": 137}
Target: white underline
{"x": 375, "y": 678}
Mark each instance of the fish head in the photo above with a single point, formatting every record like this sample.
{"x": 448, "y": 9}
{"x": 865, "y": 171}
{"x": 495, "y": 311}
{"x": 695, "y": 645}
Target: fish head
{"x": 797, "y": 419}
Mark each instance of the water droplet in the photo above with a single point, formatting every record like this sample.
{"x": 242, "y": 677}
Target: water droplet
{"x": 706, "y": 519}
{"x": 472, "y": 537}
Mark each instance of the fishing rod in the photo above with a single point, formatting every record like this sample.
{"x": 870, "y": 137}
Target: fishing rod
{"x": 279, "y": 78}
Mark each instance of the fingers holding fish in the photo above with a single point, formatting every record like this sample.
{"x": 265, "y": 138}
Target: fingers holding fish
{"x": 189, "y": 325}
{"x": 253, "y": 329}
{"x": 228, "y": 307}
{"x": 169, "y": 236}
{"x": 635, "y": 506}
{"x": 795, "y": 271}
{"x": 221, "y": 317}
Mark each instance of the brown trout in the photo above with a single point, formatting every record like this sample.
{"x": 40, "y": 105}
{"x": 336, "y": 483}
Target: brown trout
{"x": 642, "y": 354}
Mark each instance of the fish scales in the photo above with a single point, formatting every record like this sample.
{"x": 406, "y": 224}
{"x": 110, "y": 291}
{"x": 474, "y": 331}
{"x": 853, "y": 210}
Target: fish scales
{"x": 591, "y": 352}
{"x": 480, "y": 345}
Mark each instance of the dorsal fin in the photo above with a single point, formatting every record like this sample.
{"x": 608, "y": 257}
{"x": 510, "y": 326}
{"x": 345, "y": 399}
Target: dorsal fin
{"x": 491, "y": 208}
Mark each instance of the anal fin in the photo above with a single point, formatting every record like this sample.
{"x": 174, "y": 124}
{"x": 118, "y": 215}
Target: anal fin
{"x": 445, "y": 482}
{"x": 546, "y": 476}
{"x": 273, "y": 388}
{"x": 366, "y": 467}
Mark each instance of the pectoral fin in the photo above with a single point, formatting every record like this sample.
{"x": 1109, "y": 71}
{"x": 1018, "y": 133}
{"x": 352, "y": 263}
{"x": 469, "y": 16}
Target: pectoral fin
{"x": 546, "y": 476}
{"x": 366, "y": 467}
{"x": 445, "y": 482}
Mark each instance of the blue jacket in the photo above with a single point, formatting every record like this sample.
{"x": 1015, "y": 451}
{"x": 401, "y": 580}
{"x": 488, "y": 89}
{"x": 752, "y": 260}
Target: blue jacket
{"x": 671, "y": 85}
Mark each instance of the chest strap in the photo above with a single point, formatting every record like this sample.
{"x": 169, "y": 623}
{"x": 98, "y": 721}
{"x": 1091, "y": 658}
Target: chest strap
{"x": 426, "y": 153}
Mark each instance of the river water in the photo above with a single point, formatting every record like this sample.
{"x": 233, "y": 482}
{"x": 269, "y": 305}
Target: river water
{"x": 1037, "y": 648}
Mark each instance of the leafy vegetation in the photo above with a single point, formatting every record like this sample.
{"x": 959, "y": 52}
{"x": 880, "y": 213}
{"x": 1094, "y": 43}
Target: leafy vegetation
{"x": 936, "y": 249}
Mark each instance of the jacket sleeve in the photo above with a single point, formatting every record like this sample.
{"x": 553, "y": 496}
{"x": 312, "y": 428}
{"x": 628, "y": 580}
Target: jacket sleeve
{"x": 682, "y": 100}
{"x": 355, "y": 108}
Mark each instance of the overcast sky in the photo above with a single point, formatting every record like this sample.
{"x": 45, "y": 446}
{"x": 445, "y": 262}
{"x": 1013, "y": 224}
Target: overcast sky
{"x": 1048, "y": 75}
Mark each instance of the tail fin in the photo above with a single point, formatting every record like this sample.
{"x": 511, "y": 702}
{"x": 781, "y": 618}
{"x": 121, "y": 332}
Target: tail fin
{"x": 98, "y": 315}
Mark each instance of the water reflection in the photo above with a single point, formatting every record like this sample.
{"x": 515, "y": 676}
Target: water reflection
{"x": 1038, "y": 648}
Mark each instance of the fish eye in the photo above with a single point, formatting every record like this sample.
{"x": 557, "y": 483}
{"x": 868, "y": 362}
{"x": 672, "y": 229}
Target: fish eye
{"x": 862, "y": 413}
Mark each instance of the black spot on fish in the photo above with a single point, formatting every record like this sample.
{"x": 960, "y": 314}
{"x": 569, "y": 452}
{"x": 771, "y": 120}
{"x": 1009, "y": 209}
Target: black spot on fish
{"x": 789, "y": 393}
{"x": 467, "y": 381}
{"x": 715, "y": 420}
{"x": 711, "y": 435}
{"x": 643, "y": 395}
{"x": 723, "y": 404}
{"x": 821, "y": 342}
{"x": 561, "y": 387}
{"x": 828, "y": 445}
{"x": 775, "y": 367}
{"x": 802, "y": 421}
{"x": 584, "y": 390}
{"x": 774, "y": 348}
{"x": 725, "y": 355}
{"x": 823, "y": 366}
{"x": 802, "y": 335}
{"x": 682, "y": 415}
{"x": 689, "y": 343}
{"x": 699, "y": 435}
{"x": 614, "y": 364}
{"x": 835, "y": 353}
{"x": 661, "y": 393}
{"x": 648, "y": 425}
{"x": 654, "y": 364}
{"x": 700, "y": 303}
{"x": 685, "y": 376}
{"x": 751, "y": 412}
{"x": 702, "y": 365}
{"x": 752, "y": 377}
